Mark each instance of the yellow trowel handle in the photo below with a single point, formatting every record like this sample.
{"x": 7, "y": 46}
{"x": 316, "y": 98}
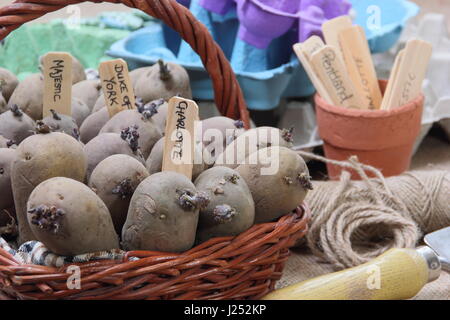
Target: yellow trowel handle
{"x": 396, "y": 274}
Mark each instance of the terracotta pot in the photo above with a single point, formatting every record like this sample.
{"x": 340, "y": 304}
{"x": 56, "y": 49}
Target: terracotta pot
{"x": 383, "y": 139}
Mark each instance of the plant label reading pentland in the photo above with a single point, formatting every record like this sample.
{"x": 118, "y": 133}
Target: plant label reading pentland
{"x": 179, "y": 142}
{"x": 331, "y": 70}
{"x": 57, "y": 70}
{"x": 116, "y": 85}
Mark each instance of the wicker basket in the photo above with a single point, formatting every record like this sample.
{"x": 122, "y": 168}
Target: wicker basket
{"x": 242, "y": 267}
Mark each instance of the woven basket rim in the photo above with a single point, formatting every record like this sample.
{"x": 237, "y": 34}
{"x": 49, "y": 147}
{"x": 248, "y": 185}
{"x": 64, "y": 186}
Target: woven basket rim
{"x": 263, "y": 246}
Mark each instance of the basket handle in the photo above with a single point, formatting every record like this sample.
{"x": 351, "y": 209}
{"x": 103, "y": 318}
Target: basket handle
{"x": 228, "y": 94}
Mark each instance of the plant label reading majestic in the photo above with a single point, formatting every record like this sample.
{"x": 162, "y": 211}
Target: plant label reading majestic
{"x": 57, "y": 70}
{"x": 179, "y": 143}
{"x": 116, "y": 85}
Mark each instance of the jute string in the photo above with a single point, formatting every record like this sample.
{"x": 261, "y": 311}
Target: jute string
{"x": 355, "y": 221}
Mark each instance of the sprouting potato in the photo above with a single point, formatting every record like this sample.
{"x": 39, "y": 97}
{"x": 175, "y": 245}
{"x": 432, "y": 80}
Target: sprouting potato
{"x": 80, "y": 111}
{"x": 87, "y": 91}
{"x": 29, "y": 96}
{"x": 148, "y": 131}
{"x": 163, "y": 81}
{"x": 157, "y": 110}
{"x": 250, "y": 141}
{"x": 15, "y": 125}
{"x": 7, "y": 157}
{"x": 137, "y": 73}
{"x": 40, "y": 157}
{"x": 4, "y": 142}
{"x": 3, "y": 104}
{"x": 99, "y": 104}
{"x": 228, "y": 129}
{"x": 163, "y": 214}
{"x": 231, "y": 209}
{"x": 8, "y": 83}
{"x": 114, "y": 181}
{"x": 283, "y": 185}
{"x": 69, "y": 218}
{"x": 108, "y": 144}
{"x": 61, "y": 123}
{"x": 93, "y": 124}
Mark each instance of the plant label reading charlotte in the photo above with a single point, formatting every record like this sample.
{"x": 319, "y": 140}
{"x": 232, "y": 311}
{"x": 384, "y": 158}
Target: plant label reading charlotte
{"x": 57, "y": 70}
{"x": 180, "y": 136}
{"x": 116, "y": 85}
{"x": 177, "y": 151}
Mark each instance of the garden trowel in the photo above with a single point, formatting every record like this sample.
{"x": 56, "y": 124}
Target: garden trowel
{"x": 396, "y": 274}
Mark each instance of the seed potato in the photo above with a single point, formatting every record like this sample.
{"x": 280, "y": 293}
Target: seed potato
{"x": 69, "y": 218}
{"x": 231, "y": 209}
{"x": 163, "y": 214}
{"x": 114, "y": 181}
{"x": 251, "y": 141}
{"x": 163, "y": 81}
{"x": 148, "y": 131}
{"x": 7, "y": 157}
{"x": 87, "y": 91}
{"x": 105, "y": 145}
{"x": 281, "y": 187}
{"x": 93, "y": 124}
{"x": 29, "y": 96}
{"x": 41, "y": 157}
{"x": 15, "y": 125}
{"x": 8, "y": 83}
{"x": 80, "y": 111}
{"x": 61, "y": 123}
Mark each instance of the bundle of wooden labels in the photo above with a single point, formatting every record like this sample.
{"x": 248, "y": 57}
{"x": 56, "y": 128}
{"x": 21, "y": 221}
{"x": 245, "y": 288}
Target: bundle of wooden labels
{"x": 343, "y": 72}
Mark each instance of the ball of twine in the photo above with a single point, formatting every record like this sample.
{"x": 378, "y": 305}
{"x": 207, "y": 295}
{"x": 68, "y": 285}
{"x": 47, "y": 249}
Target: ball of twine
{"x": 355, "y": 221}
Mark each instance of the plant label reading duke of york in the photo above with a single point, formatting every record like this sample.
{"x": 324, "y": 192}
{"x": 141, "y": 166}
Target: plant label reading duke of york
{"x": 116, "y": 86}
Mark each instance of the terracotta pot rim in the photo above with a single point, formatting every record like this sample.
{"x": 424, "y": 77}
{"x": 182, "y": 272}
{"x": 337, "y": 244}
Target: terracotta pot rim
{"x": 364, "y": 113}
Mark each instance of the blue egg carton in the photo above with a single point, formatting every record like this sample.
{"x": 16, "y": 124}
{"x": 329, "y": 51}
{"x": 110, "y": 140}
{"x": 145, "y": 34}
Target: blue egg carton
{"x": 285, "y": 77}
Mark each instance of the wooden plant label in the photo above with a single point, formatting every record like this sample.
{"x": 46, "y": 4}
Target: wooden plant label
{"x": 116, "y": 86}
{"x": 304, "y": 51}
{"x": 332, "y": 28}
{"x": 387, "y": 99}
{"x": 179, "y": 142}
{"x": 358, "y": 60}
{"x": 328, "y": 65}
{"x": 57, "y": 70}
{"x": 411, "y": 72}
{"x": 312, "y": 45}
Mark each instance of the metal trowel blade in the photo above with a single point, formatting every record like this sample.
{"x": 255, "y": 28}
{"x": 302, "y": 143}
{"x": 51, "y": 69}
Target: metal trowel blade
{"x": 439, "y": 241}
